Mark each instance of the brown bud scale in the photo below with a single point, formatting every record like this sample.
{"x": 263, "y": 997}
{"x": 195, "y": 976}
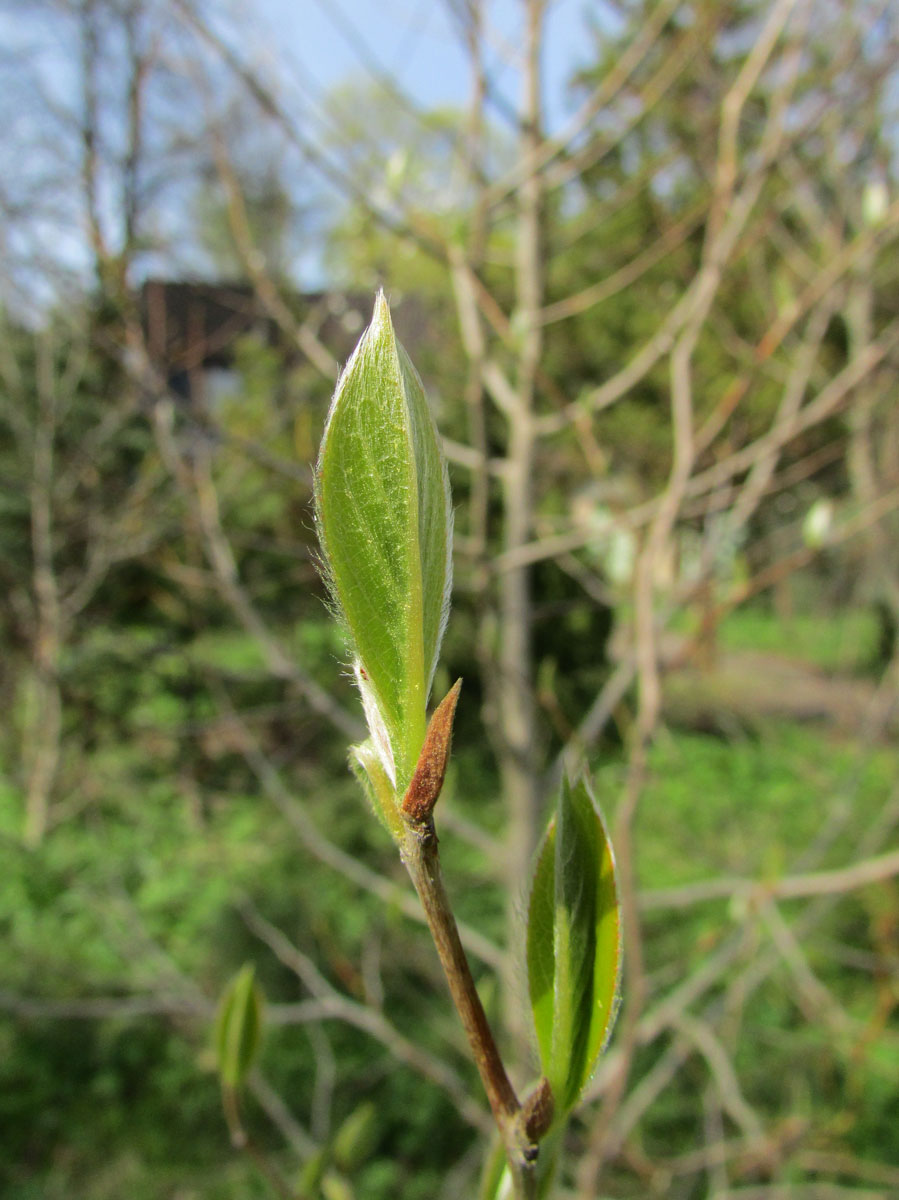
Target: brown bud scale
{"x": 538, "y": 1112}
{"x": 430, "y": 771}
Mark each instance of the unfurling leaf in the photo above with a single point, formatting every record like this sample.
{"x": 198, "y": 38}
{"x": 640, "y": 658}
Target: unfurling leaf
{"x": 385, "y": 525}
{"x": 238, "y": 1027}
{"x": 573, "y": 944}
{"x": 368, "y": 767}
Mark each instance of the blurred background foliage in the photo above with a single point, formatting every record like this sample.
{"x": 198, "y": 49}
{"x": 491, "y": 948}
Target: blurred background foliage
{"x": 174, "y": 797}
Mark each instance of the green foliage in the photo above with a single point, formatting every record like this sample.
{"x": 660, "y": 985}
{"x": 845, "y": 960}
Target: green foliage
{"x": 573, "y": 944}
{"x": 713, "y": 806}
{"x": 712, "y": 803}
{"x": 844, "y": 640}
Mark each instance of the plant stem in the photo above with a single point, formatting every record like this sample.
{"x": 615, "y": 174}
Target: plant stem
{"x": 420, "y": 854}
{"x": 241, "y": 1140}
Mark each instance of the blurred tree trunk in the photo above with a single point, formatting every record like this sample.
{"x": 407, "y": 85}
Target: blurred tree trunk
{"x": 44, "y": 710}
{"x": 878, "y": 581}
{"x": 519, "y": 764}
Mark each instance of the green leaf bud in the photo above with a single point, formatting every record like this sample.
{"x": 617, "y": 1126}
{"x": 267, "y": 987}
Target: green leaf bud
{"x": 385, "y": 525}
{"x": 573, "y": 944}
{"x": 238, "y": 1028}
{"x": 357, "y": 1138}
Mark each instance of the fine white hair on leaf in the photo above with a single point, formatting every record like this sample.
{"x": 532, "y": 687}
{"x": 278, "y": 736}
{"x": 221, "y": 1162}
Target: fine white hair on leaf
{"x": 375, "y": 721}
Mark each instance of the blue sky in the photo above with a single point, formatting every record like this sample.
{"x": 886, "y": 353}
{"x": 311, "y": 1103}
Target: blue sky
{"x": 303, "y": 49}
{"x": 414, "y": 42}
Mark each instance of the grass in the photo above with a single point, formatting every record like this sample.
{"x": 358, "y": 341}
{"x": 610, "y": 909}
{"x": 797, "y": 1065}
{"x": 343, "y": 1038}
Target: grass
{"x": 754, "y": 806}
{"x": 845, "y": 640}
{"x": 751, "y": 804}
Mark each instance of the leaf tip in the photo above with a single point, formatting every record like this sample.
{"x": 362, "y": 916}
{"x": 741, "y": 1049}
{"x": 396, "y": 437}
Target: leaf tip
{"x": 381, "y": 319}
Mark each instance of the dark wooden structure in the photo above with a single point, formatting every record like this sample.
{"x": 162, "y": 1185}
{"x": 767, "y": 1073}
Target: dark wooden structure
{"x": 191, "y": 329}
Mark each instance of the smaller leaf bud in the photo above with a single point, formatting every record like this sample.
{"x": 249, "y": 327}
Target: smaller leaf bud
{"x": 239, "y": 1027}
{"x": 538, "y": 1110}
{"x": 430, "y": 772}
{"x": 875, "y": 202}
{"x": 818, "y": 524}
{"x": 357, "y": 1138}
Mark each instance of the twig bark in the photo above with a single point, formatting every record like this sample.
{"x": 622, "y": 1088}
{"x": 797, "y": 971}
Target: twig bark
{"x": 420, "y": 854}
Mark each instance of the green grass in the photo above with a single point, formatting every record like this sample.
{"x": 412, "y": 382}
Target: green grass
{"x": 841, "y": 641}
{"x": 750, "y": 805}
{"x": 753, "y": 806}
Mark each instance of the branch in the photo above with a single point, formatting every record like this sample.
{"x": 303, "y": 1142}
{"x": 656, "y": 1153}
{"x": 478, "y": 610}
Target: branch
{"x": 419, "y": 851}
{"x": 364, "y": 1017}
{"x": 792, "y": 887}
{"x": 199, "y": 490}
